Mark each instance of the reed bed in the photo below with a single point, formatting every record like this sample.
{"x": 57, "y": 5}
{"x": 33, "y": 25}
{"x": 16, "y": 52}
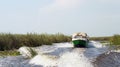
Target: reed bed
{"x": 10, "y": 41}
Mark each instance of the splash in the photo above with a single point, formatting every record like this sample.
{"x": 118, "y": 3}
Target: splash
{"x": 74, "y": 59}
{"x": 64, "y": 55}
{"x": 43, "y": 60}
{"x": 57, "y": 55}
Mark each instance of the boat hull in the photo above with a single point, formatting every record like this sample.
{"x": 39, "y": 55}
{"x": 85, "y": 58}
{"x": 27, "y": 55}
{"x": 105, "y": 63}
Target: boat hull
{"x": 80, "y": 43}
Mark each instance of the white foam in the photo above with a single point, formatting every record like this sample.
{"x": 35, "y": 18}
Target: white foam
{"x": 24, "y": 51}
{"x": 96, "y": 44}
{"x": 61, "y": 55}
{"x": 73, "y": 59}
{"x": 63, "y": 45}
{"x": 66, "y": 57}
{"x": 43, "y": 60}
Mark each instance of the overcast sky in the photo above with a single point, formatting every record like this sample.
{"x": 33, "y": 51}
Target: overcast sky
{"x": 95, "y": 17}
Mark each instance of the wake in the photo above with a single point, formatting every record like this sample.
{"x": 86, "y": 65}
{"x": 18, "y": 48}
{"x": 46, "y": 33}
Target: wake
{"x": 60, "y": 55}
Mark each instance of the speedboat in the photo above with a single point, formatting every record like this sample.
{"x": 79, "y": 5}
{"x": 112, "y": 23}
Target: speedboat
{"x": 80, "y": 40}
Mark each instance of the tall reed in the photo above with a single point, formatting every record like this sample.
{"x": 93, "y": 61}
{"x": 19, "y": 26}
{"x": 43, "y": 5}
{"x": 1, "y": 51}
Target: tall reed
{"x": 115, "y": 40}
{"x": 10, "y": 41}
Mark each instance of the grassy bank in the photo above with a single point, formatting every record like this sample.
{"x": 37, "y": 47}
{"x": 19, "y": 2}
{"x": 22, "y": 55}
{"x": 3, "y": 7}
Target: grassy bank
{"x": 14, "y": 41}
{"x": 9, "y": 53}
{"x": 101, "y": 38}
{"x": 115, "y": 40}
{"x": 10, "y": 41}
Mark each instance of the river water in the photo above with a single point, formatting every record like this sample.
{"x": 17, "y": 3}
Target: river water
{"x": 64, "y": 55}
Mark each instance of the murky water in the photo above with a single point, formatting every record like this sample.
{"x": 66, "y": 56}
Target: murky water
{"x": 59, "y": 55}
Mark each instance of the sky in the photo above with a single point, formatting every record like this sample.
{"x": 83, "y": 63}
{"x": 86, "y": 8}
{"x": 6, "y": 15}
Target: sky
{"x": 94, "y": 17}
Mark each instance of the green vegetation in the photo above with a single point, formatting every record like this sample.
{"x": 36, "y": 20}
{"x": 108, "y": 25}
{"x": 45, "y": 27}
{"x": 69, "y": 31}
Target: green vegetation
{"x": 100, "y": 38}
{"x": 10, "y": 41}
{"x": 115, "y": 40}
{"x": 9, "y": 53}
{"x": 32, "y": 52}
